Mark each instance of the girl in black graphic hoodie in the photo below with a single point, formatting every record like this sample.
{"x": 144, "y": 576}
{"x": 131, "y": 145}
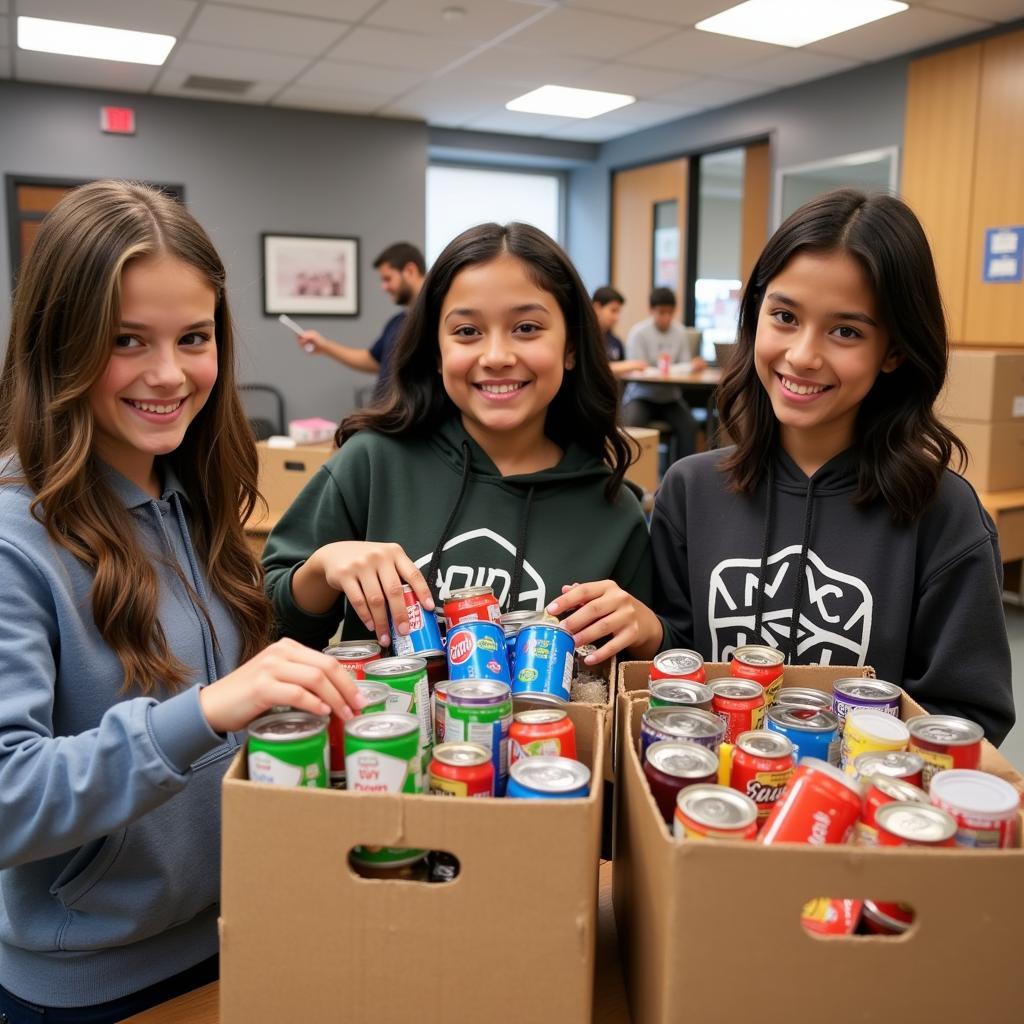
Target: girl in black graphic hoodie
{"x": 833, "y": 529}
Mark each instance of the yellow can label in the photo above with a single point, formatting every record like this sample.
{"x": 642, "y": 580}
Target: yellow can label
{"x": 448, "y": 787}
{"x": 856, "y": 742}
{"x": 934, "y": 761}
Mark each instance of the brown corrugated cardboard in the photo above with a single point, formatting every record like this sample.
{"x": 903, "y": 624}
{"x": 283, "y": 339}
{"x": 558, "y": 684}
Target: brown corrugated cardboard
{"x": 285, "y": 471}
{"x": 996, "y": 453}
{"x": 510, "y": 940}
{"x": 644, "y": 472}
{"x": 711, "y": 930}
{"x": 983, "y": 385}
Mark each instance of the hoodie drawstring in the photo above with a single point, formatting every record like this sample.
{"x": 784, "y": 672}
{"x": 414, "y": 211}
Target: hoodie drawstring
{"x": 435, "y": 558}
{"x": 517, "y": 572}
{"x": 801, "y": 572}
{"x": 762, "y": 578}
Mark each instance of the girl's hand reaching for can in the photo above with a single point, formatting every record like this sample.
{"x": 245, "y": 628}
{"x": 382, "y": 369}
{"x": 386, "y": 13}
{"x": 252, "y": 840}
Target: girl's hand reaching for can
{"x": 286, "y": 672}
{"x": 604, "y": 609}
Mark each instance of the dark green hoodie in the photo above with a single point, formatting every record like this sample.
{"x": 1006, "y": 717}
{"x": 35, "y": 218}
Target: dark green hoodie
{"x": 444, "y": 501}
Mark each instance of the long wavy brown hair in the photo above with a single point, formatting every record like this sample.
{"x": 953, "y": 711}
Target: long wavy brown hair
{"x": 63, "y": 325}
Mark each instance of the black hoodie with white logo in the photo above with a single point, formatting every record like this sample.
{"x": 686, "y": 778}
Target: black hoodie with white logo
{"x": 919, "y": 603}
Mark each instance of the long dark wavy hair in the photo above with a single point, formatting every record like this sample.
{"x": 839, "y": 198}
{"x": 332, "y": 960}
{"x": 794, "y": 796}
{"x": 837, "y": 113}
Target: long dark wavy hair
{"x": 63, "y": 323}
{"x": 902, "y": 447}
{"x": 585, "y": 410}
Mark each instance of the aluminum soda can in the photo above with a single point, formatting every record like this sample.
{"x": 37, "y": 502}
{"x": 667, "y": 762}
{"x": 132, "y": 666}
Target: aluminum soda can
{"x": 765, "y": 665}
{"x": 480, "y": 711}
{"x": 353, "y": 656}
{"x": 945, "y": 741}
{"x": 678, "y": 663}
{"x": 820, "y": 806}
{"x": 740, "y": 704}
{"x": 761, "y": 766}
{"x": 714, "y": 812}
{"x": 461, "y": 769}
{"x": 544, "y": 663}
{"x": 409, "y": 694}
{"x": 424, "y": 634}
{"x": 471, "y": 604}
{"x": 895, "y": 764}
{"x": 678, "y": 693}
{"x": 868, "y": 729}
{"x": 511, "y": 624}
{"x": 848, "y": 694}
{"x": 883, "y": 790}
{"x": 476, "y": 650}
{"x": 548, "y": 778}
{"x": 541, "y": 731}
{"x": 376, "y": 697}
{"x": 804, "y": 697}
{"x": 914, "y": 824}
{"x": 438, "y": 700}
{"x": 814, "y": 733}
{"x": 692, "y": 724}
{"x": 674, "y": 765}
{"x": 289, "y": 748}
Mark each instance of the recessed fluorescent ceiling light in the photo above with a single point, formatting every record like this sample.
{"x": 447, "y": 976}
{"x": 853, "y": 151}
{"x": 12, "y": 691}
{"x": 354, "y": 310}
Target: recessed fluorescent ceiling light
{"x": 797, "y": 22}
{"x": 561, "y": 101}
{"x": 74, "y": 40}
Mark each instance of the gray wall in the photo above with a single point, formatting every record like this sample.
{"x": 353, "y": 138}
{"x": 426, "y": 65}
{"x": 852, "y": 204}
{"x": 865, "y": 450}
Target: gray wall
{"x": 860, "y": 109}
{"x": 245, "y": 170}
{"x": 718, "y": 247}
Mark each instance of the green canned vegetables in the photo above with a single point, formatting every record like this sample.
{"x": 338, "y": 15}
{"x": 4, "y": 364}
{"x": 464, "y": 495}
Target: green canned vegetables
{"x": 289, "y": 748}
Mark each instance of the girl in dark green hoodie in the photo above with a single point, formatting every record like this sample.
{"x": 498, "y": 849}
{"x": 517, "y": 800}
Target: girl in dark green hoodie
{"x": 494, "y": 458}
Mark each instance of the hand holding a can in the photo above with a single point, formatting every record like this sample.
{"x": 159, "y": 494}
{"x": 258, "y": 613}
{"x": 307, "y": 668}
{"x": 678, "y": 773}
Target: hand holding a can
{"x": 285, "y": 673}
{"x": 604, "y": 609}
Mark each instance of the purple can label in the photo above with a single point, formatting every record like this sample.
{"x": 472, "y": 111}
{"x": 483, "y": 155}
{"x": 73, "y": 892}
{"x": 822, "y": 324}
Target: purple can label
{"x": 476, "y": 650}
{"x": 543, "y": 663}
{"x": 848, "y": 694}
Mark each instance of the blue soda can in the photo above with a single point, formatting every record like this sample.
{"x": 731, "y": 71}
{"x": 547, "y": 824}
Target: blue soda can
{"x": 423, "y": 637}
{"x": 512, "y": 623}
{"x": 476, "y": 650}
{"x": 814, "y": 732}
{"x": 544, "y": 663}
{"x": 548, "y": 778}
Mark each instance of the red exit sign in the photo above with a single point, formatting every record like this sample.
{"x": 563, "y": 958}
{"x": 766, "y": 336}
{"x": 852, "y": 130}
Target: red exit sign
{"x": 117, "y": 120}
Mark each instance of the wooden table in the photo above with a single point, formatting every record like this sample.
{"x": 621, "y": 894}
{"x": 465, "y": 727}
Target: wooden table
{"x": 1007, "y": 511}
{"x": 201, "y": 1006}
{"x": 710, "y": 376}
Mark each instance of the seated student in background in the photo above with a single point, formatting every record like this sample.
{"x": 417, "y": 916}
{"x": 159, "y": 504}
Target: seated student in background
{"x": 643, "y": 403}
{"x": 132, "y": 619}
{"x": 834, "y": 529}
{"x": 495, "y": 459}
{"x": 608, "y": 308}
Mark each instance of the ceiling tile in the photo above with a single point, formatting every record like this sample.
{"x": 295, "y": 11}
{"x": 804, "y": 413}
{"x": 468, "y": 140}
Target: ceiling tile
{"x": 706, "y": 93}
{"x": 585, "y": 34}
{"x": 404, "y": 50}
{"x": 5, "y": 63}
{"x": 787, "y": 69}
{"x": 645, "y": 113}
{"x": 30, "y": 66}
{"x": 914, "y": 29}
{"x": 675, "y": 12}
{"x": 235, "y": 26}
{"x": 362, "y": 78}
{"x": 515, "y": 123}
{"x": 524, "y": 67}
{"x": 701, "y": 53}
{"x": 347, "y": 101}
{"x": 166, "y": 16}
{"x": 225, "y": 62}
{"x": 172, "y": 83}
{"x": 995, "y": 10}
{"x": 633, "y": 81}
{"x": 596, "y": 129}
{"x": 338, "y": 10}
{"x": 484, "y": 19}
{"x": 453, "y": 100}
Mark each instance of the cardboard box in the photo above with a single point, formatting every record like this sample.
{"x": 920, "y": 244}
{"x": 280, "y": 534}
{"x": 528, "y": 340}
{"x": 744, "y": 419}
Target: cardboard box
{"x": 285, "y": 471}
{"x": 714, "y": 926}
{"x": 996, "y": 453}
{"x": 644, "y": 472}
{"x": 510, "y": 940}
{"x": 983, "y": 385}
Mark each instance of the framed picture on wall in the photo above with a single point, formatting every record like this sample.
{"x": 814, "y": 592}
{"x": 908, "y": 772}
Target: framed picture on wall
{"x": 313, "y": 274}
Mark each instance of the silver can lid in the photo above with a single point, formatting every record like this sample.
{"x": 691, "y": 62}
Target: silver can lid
{"x": 540, "y": 716}
{"x": 916, "y": 822}
{"x": 803, "y": 719}
{"x": 866, "y": 689}
{"x": 372, "y": 691}
{"x": 763, "y": 743}
{"x": 737, "y": 689}
{"x": 521, "y": 617}
{"x": 680, "y": 691}
{"x": 348, "y": 649}
{"x": 803, "y": 697}
{"x": 894, "y": 763}
{"x": 478, "y": 692}
{"x": 545, "y": 774}
{"x": 285, "y": 726}
{"x": 878, "y": 725}
{"x": 464, "y": 592}
{"x": 682, "y": 759}
{"x": 899, "y": 789}
{"x": 963, "y": 789}
{"x": 716, "y": 806}
{"x": 462, "y": 755}
{"x": 945, "y": 729}
{"x": 684, "y": 723}
{"x": 396, "y": 666}
{"x": 758, "y": 654}
{"x": 678, "y": 662}
{"x": 384, "y": 726}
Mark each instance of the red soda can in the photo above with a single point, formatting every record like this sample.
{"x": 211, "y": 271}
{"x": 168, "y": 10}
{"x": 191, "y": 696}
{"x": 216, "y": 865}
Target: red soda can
{"x": 881, "y": 791}
{"x": 894, "y": 764}
{"x": 541, "y": 731}
{"x": 438, "y": 700}
{"x": 351, "y": 655}
{"x": 740, "y": 704}
{"x": 765, "y": 665}
{"x": 914, "y": 824}
{"x": 461, "y": 769}
{"x": 985, "y": 807}
{"x": 471, "y": 604}
{"x": 664, "y": 363}
{"x": 673, "y": 765}
{"x": 944, "y": 742}
{"x": 820, "y": 806}
{"x": 762, "y": 765}
{"x": 887, "y": 918}
{"x": 678, "y": 663}
{"x": 714, "y": 812}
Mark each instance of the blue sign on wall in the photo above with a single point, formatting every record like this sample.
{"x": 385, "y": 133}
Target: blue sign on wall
{"x": 1004, "y": 255}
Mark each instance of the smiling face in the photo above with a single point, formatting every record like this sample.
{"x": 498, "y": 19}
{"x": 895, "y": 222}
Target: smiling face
{"x": 819, "y": 347}
{"x": 162, "y": 368}
{"x": 503, "y": 351}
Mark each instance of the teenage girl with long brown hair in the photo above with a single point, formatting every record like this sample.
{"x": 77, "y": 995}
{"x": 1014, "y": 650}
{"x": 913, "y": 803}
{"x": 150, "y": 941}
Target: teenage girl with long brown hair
{"x": 132, "y": 618}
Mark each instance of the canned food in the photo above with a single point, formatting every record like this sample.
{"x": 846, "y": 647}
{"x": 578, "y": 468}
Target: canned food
{"x": 673, "y": 765}
{"x": 867, "y": 729}
{"x": 740, "y": 705}
{"x": 438, "y": 700}
{"x": 289, "y": 748}
{"x": 461, "y": 769}
{"x": 408, "y": 693}
{"x": 675, "y": 693}
{"x": 814, "y": 733}
{"x": 826, "y": 916}
{"x": 848, "y": 694}
{"x": 480, "y": 711}
{"x": 986, "y": 808}
{"x": 914, "y": 824}
{"x": 714, "y": 812}
{"x": 548, "y": 778}
{"x": 511, "y": 624}
{"x": 413, "y": 871}
{"x": 701, "y": 727}
{"x": 896, "y": 764}
{"x": 471, "y": 604}
{"x": 762, "y": 765}
{"x": 541, "y": 732}
{"x": 880, "y": 792}
{"x": 423, "y": 635}
{"x": 804, "y": 697}
{"x": 820, "y": 806}
{"x": 376, "y": 697}
{"x": 765, "y": 665}
{"x": 944, "y": 741}
{"x": 354, "y": 655}
{"x": 544, "y": 663}
{"x": 476, "y": 650}
{"x": 437, "y": 667}
{"x": 878, "y": 922}
{"x": 678, "y": 663}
